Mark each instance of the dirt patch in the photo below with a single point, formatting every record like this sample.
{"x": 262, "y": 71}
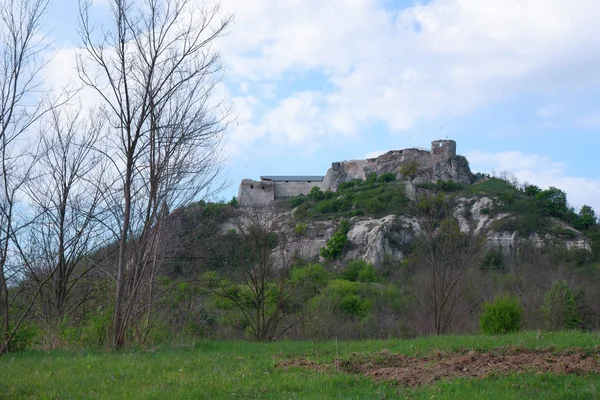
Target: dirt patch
{"x": 417, "y": 371}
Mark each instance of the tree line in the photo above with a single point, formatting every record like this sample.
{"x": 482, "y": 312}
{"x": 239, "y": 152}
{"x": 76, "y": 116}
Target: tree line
{"x": 79, "y": 186}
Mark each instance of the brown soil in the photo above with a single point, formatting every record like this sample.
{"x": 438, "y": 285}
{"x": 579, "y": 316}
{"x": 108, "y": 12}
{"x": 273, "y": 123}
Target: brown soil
{"x": 417, "y": 371}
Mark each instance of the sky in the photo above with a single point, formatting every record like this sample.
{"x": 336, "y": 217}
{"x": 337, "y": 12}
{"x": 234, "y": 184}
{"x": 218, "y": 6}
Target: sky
{"x": 515, "y": 83}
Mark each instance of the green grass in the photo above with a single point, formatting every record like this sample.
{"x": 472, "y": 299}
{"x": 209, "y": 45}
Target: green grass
{"x": 239, "y": 370}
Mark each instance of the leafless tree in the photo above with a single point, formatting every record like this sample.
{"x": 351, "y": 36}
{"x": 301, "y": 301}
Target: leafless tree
{"x": 65, "y": 192}
{"x": 21, "y": 107}
{"x": 154, "y": 69}
{"x": 448, "y": 256}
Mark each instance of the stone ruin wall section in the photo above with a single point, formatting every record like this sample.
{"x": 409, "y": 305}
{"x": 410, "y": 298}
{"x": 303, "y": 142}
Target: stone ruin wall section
{"x": 256, "y": 193}
{"x": 291, "y": 189}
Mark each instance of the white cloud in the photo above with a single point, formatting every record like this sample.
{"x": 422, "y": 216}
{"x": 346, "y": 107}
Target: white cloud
{"x": 541, "y": 171}
{"x": 379, "y": 68}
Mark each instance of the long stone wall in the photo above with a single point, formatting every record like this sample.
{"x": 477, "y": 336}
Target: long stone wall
{"x": 290, "y": 189}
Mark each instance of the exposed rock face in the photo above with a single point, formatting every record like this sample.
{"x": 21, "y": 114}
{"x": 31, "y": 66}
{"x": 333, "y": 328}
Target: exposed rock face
{"x": 372, "y": 239}
{"x": 508, "y": 241}
{"x": 429, "y": 167}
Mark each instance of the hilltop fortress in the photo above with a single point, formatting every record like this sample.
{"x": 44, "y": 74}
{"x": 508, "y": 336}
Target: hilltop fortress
{"x": 439, "y": 163}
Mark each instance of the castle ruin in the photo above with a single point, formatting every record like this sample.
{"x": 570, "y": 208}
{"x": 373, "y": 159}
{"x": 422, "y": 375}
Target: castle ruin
{"x": 439, "y": 163}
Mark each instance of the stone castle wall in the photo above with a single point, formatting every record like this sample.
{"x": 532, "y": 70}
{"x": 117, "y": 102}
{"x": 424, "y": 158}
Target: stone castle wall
{"x": 440, "y": 163}
{"x": 291, "y": 189}
{"x": 256, "y": 192}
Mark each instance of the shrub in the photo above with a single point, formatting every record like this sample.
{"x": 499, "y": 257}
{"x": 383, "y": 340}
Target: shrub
{"x": 560, "y": 307}
{"x": 388, "y": 177}
{"x": 316, "y": 194}
{"x": 300, "y": 229}
{"x": 296, "y": 201}
{"x": 493, "y": 260}
{"x": 409, "y": 169}
{"x": 334, "y": 247}
{"x": 503, "y": 315}
{"x": 360, "y": 271}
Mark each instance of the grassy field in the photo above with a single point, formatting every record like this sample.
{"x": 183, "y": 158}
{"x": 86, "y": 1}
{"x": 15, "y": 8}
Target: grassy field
{"x": 239, "y": 370}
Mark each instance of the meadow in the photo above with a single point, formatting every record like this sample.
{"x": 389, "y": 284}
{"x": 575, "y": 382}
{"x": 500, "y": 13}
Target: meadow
{"x": 244, "y": 370}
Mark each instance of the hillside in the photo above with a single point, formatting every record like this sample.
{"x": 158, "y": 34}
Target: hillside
{"x": 385, "y": 256}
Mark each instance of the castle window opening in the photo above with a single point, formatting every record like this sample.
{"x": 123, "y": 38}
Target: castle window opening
{"x": 251, "y": 186}
{"x": 263, "y": 188}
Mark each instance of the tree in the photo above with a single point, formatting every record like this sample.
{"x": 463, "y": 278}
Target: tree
{"x": 21, "y": 107}
{"x": 448, "y": 256}
{"x": 154, "y": 71}
{"x": 586, "y": 218}
{"x": 260, "y": 269}
{"x": 560, "y": 307}
{"x": 65, "y": 194}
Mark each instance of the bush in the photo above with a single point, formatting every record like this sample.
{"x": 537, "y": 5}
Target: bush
{"x": 560, "y": 307}
{"x": 300, "y": 229}
{"x": 493, "y": 260}
{"x": 360, "y": 271}
{"x": 334, "y": 246}
{"x": 503, "y": 315}
{"x": 296, "y": 201}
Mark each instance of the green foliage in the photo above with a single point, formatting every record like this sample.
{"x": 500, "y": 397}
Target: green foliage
{"x": 359, "y": 271}
{"x": 553, "y": 202}
{"x": 532, "y": 190}
{"x": 560, "y": 307}
{"x": 493, "y": 260}
{"x": 312, "y": 277}
{"x": 234, "y": 202}
{"x": 375, "y": 196}
{"x": 409, "y": 169}
{"x": 335, "y": 246}
{"x": 481, "y": 175}
{"x": 443, "y": 186}
{"x": 503, "y": 315}
{"x": 316, "y": 194}
{"x": 25, "y": 337}
{"x": 300, "y": 229}
{"x": 95, "y": 332}
{"x": 386, "y": 178}
{"x": 350, "y": 298}
{"x": 586, "y": 219}
{"x": 297, "y": 201}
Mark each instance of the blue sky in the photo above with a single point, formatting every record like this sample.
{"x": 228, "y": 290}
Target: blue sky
{"x": 514, "y": 82}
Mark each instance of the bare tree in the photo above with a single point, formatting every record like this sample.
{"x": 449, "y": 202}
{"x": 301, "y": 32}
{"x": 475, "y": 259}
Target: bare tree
{"x": 262, "y": 256}
{"x": 448, "y": 255}
{"x": 21, "y": 106}
{"x": 154, "y": 70}
{"x": 66, "y": 195}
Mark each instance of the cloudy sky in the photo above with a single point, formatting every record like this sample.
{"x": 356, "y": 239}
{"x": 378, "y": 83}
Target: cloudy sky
{"x": 515, "y": 82}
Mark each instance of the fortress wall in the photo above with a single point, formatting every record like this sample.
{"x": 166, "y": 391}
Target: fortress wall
{"x": 290, "y": 189}
{"x": 256, "y": 192}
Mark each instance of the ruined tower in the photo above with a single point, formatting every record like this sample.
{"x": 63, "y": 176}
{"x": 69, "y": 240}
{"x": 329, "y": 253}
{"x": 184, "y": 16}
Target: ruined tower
{"x": 443, "y": 149}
